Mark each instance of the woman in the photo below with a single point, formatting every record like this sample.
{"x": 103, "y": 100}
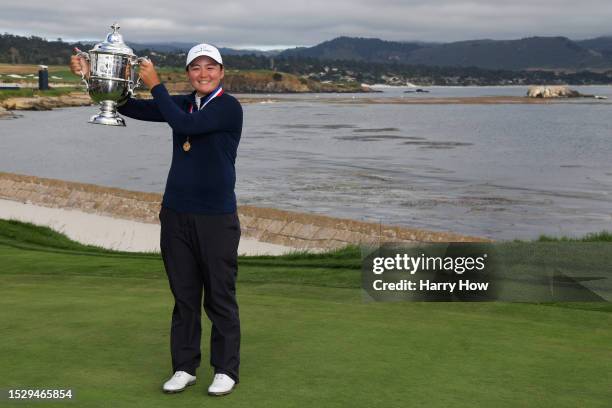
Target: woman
{"x": 200, "y": 230}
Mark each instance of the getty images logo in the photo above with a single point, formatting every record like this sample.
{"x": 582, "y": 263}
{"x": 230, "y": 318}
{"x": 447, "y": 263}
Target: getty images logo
{"x": 412, "y": 264}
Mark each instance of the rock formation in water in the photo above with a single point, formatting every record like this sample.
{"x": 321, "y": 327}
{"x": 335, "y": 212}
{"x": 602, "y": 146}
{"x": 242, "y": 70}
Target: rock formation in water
{"x": 553, "y": 92}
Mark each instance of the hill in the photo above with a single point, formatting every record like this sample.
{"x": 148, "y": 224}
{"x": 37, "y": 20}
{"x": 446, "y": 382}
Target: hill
{"x": 524, "y": 54}
{"x": 599, "y": 44}
{"x": 357, "y": 49}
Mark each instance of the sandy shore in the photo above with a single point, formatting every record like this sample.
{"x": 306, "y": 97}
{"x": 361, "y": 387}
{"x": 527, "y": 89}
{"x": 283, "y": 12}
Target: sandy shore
{"x": 109, "y": 232}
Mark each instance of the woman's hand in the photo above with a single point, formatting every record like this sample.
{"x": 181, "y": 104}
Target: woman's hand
{"x": 79, "y": 65}
{"x": 147, "y": 73}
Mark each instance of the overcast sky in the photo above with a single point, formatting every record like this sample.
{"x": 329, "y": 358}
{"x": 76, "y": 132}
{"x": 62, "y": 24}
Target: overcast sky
{"x": 270, "y": 24}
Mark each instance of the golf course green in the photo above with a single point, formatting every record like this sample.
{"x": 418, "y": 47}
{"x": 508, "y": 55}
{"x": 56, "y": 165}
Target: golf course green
{"x": 97, "y": 322}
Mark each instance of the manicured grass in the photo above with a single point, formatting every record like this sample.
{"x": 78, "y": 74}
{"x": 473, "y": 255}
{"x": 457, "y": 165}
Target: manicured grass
{"x": 57, "y": 74}
{"x": 98, "y": 321}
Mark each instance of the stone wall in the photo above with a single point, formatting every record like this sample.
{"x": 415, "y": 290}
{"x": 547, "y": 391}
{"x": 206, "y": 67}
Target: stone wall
{"x": 298, "y": 230}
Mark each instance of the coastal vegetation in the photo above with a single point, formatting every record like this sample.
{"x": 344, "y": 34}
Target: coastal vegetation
{"x": 261, "y": 81}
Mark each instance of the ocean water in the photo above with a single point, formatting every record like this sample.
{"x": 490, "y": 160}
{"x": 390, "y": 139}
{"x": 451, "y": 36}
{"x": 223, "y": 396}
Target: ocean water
{"x": 499, "y": 171}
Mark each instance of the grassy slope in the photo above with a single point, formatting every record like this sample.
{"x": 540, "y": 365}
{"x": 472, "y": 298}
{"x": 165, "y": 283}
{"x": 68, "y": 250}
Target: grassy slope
{"x": 98, "y": 321}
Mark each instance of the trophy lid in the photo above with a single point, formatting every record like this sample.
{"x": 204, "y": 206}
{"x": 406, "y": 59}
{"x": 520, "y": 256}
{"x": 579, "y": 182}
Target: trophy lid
{"x": 114, "y": 43}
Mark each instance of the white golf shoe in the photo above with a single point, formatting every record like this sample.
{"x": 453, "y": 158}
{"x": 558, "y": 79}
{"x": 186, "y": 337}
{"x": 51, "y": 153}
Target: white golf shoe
{"x": 222, "y": 385}
{"x": 179, "y": 381}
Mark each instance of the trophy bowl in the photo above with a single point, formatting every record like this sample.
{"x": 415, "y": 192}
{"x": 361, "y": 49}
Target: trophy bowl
{"x": 112, "y": 77}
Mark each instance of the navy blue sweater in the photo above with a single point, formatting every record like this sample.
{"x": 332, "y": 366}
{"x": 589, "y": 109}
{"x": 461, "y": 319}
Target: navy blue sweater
{"x": 202, "y": 180}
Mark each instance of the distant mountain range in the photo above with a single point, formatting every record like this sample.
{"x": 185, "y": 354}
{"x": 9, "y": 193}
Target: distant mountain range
{"x": 524, "y": 54}
{"x": 533, "y": 53}
{"x": 543, "y": 53}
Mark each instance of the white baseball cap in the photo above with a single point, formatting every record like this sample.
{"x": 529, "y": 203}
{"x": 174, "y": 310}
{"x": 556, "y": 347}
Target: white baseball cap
{"x": 203, "y": 49}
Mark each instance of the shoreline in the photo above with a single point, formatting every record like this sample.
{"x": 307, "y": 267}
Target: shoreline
{"x": 36, "y": 103}
{"x": 286, "y": 230}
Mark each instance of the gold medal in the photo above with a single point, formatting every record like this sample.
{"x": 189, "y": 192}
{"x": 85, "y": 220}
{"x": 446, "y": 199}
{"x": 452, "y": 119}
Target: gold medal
{"x": 186, "y": 146}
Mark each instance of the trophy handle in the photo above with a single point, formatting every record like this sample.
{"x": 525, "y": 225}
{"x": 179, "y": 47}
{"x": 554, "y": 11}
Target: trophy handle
{"x": 85, "y": 56}
{"x": 136, "y": 61}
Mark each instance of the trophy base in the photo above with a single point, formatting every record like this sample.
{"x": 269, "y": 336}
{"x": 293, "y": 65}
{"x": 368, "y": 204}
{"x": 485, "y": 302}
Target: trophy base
{"x": 105, "y": 120}
{"x": 108, "y": 115}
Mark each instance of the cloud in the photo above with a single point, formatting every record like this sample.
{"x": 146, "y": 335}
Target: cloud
{"x": 265, "y": 22}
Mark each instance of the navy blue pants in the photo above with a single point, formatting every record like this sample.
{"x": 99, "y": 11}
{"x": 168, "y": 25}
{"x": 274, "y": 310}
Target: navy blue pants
{"x": 200, "y": 255}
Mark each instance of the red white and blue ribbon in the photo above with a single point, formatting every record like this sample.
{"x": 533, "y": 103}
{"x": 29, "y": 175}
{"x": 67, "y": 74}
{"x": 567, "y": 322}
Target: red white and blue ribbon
{"x": 217, "y": 92}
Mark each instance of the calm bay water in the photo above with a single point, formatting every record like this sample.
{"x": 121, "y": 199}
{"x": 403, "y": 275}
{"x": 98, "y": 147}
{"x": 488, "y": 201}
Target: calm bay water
{"x": 501, "y": 171}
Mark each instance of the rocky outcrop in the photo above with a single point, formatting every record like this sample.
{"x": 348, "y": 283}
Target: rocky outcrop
{"x": 554, "y": 92}
{"x": 267, "y": 82}
{"x": 7, "y": 114}
{"x": 46, "y": 102}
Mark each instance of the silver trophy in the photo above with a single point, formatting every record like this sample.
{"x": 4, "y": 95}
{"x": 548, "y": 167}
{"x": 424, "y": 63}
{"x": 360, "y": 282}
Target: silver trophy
{"x": 112, "y": 76}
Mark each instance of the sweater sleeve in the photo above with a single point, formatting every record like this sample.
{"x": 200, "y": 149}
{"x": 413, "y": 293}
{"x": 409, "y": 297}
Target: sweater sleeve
{"x": 214, "y": 118}
{"x": 141, "y": 109}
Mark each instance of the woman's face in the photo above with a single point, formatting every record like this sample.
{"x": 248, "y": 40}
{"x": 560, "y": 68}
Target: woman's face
{"x": 204, "y": 74}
